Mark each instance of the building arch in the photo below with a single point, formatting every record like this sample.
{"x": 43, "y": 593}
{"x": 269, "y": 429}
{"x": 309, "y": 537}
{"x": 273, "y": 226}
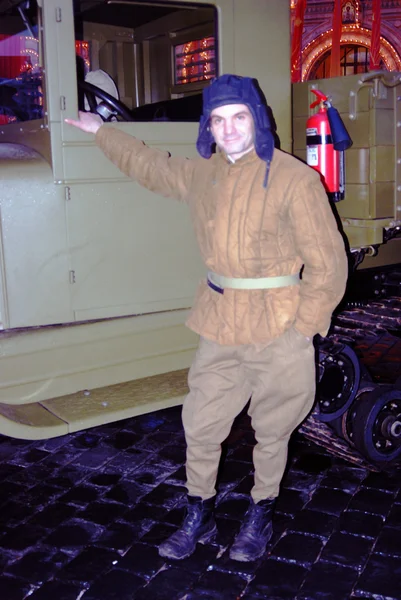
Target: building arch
{"x": 351, "y": 34}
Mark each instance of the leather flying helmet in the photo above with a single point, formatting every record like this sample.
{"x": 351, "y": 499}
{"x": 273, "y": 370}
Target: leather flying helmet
{"x": 233, "y": 89}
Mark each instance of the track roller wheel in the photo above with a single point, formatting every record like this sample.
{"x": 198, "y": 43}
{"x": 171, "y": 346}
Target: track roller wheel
{"x": 342, "y": 425}
{"x": 375, "y": 425}
{"x": 340, "y": 376}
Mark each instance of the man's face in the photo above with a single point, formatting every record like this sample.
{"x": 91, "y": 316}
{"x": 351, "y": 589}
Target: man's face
{"x": 233, "y": 129}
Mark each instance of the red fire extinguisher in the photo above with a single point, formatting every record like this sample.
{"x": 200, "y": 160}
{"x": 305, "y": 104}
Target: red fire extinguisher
{"x": 321, "y": 154}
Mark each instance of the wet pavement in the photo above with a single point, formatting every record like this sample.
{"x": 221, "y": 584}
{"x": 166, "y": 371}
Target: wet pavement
{"x": 81, "y": 517}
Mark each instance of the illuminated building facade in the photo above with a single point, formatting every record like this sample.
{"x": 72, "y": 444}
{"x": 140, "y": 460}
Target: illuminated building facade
{"x": 356, "y": 36}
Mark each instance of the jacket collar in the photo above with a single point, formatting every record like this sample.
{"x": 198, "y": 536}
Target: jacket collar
{"x": 249, "y": 157}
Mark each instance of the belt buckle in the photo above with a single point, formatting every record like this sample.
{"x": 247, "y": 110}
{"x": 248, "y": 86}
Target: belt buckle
{"x": 215, "y": 287}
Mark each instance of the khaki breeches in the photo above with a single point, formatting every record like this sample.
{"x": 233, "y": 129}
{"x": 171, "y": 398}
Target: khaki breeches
{"x": 279, "y": 379}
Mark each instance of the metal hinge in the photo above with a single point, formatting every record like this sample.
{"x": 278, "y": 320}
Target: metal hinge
{"x": 58, "y": 15}
{"x": 72, "y": 276}
{"x": 67, "y": 192}
{"x": 62, "y": 103}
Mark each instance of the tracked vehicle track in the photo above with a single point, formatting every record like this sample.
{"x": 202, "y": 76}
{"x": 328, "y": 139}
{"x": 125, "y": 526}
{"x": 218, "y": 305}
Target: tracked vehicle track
{"x": 370, "y": 427}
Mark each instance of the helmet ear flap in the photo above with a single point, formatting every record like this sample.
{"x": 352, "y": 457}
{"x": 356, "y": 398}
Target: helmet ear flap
{"x": 205, "y": 139}
{"x": 262, "y": 118}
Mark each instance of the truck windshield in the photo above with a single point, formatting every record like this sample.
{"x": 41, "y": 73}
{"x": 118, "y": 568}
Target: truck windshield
{"x": 156, "y": 58}
{"x": 21, "y": 95}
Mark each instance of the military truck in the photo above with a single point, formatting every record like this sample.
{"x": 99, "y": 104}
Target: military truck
{"x": 98, "y": 274}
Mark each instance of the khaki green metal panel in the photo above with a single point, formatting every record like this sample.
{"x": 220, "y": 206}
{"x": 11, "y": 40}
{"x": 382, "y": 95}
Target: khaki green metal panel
{"x": 383, "y": 199}
{"x": 383, "y": 97}
{"x": 356, "y": 203}
{"x": 359, "y": 130}
{"x": 60, "y": 68}
{"x": 339, "y": 88}
{"x": 83, "y": 161}
{"x": 60, "y": 64}
{"x": 226, "y": 35}
{"x": 301, "y": 99}
{"x": 89, "y": 408}
{"x": 30, "y": 422}
{"x": 262, "y": 50}
{"x": 388, "y": 254}
{"x": 112, "y": 231}
{"x": 4, "y": 318}
{"x": 383, "y": 164}
{"x": 37, "y": 364}
{"x": 132, "y": 252}
{"x": 383, "y": 127}
{"x": 344, "y": 91}
{"x": 357, "y": 167}
{"x": 362, "y": 236}
{"x": 34, "y": 243}
{"x": 299, "y": 135}
{"x": 112, "y": 403}
{"x": 363, "y": 199}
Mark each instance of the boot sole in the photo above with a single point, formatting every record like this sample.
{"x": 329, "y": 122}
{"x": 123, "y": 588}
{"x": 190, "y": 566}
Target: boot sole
{"x": 206, "y": 537}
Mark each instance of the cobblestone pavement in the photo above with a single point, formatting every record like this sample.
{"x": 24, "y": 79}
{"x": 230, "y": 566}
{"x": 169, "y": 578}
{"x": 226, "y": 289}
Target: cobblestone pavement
{"x": 82, "y": 516}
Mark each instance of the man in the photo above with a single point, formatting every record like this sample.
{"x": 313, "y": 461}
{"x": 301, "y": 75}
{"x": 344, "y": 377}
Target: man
{"x": 259, "y": 215}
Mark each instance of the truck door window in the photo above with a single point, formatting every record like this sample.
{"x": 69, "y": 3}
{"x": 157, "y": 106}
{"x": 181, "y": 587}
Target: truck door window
{"x": 159, "y": 55}
{"x": 21, "y": 93}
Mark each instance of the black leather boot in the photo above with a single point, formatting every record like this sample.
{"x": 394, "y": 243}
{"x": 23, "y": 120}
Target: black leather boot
{"x": 255, "y": 531}
{"x": 198, "y": 526}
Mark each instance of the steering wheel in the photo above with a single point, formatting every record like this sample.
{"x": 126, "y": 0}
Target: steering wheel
{"x": 109, "y": 106}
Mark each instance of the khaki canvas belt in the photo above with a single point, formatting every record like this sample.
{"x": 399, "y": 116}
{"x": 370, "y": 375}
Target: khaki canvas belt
{"x": 219, "y": 282}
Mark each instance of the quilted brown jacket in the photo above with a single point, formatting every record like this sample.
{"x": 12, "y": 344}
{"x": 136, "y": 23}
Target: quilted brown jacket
{"x": 246, "y": 230}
